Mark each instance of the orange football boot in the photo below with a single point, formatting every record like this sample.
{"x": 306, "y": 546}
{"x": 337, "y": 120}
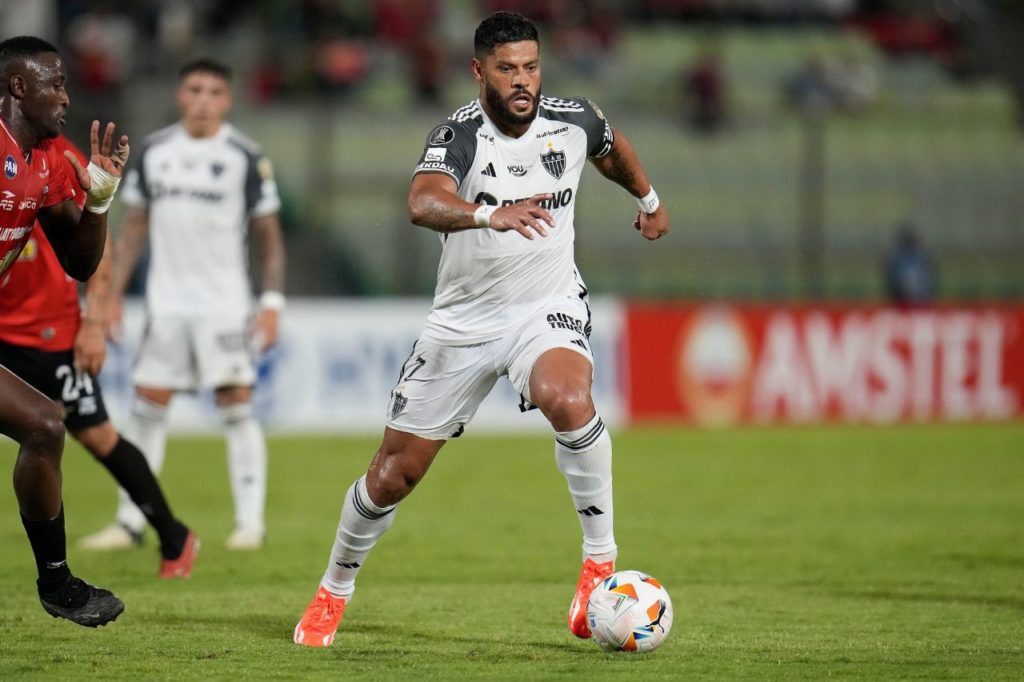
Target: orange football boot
{"x": 182, "y": 566}
{"x": 320, "y": 621}
{"x": 591, "y": 575}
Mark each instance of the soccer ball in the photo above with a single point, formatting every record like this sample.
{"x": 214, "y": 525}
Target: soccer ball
{"x": 629, "y": 611}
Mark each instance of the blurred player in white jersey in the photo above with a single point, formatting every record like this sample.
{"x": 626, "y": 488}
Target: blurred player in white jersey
{"x": 198, "y": 188}
{"x": 498, "y": 181}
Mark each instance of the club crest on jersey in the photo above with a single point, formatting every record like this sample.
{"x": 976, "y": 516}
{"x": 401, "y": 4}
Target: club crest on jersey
{"x": 10, "y": 167}
{"x": 553, "y": 161}
{"x": 442, "y": 135}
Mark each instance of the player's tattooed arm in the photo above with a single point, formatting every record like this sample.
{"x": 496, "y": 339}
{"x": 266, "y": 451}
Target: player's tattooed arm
{"x": 434, "y": 203}
{"x": 622, "y": 166}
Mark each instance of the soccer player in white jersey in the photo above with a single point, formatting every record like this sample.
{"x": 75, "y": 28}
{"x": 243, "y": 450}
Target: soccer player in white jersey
{"x": 498, "y": 181}
{"x": 198, "y": 188}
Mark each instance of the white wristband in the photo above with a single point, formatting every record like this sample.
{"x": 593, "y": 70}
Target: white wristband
{"x": 272, "y": 300}
{"x": 101, "y": 190}
{"x": 650, "y": 203}
{"x": 482, "y": 216}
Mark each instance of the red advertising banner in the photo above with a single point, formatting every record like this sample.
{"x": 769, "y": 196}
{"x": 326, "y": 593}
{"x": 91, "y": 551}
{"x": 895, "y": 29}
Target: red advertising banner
{"x": 722, "y": 363}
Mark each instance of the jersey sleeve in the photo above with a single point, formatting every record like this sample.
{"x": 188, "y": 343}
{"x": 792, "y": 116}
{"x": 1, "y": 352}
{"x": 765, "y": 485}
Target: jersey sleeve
{"x": 133, "y": 191}
{"x": 60, "y": 186}
{"x": 449, "y": 149}
{"x": 261, "y": 195}
{"x": 600, "y": 136}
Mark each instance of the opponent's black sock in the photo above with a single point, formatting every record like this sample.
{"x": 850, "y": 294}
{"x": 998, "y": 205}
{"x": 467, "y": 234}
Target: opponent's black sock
{"x": 128, "y": 466}
{"x": 49, "y": 545}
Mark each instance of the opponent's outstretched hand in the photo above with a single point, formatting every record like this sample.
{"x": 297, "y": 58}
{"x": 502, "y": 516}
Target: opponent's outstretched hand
{"x": 526, "y": 217}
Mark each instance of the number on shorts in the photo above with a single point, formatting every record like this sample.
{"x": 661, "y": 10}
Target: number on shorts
{"x": 75, "y": 383}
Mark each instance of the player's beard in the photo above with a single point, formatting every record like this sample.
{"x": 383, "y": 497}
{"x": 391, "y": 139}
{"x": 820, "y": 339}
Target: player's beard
{"x": 501, "y": 108}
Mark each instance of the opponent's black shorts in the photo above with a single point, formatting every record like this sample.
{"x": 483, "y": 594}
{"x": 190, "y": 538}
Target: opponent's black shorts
{"x": 53, "y": 374}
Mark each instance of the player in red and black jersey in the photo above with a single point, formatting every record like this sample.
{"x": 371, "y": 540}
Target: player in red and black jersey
{"x": 46, "y": 341}
{"x": 35, "y": 185}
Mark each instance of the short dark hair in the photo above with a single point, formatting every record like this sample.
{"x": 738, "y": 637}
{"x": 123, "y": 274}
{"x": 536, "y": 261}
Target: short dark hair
{"x": 500, "y": 28}
{"x": 204, "y": 65}
{"x": 22, "y": 47}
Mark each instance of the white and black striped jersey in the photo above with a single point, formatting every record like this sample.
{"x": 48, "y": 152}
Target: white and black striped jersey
{"x": 201, "y": 195}
{"x": 490, "y": 282}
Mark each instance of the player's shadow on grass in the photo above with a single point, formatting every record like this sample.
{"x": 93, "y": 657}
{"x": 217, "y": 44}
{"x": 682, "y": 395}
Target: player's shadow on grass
{"x": 275, "y": 628}
{"x": 441, "y": 635}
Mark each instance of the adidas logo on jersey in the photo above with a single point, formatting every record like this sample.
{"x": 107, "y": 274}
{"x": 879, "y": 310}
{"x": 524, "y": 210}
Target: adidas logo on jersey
{"x": 489, "y": 171}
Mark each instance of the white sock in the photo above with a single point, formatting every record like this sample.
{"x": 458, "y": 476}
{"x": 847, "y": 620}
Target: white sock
{"x": 584, "y": 457}
{"x": 247, "y": 465}
{"x": 148, "y": 429}
{"x": 361, "y": 525}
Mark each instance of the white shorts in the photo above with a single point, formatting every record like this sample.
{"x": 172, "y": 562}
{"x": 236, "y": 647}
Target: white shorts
{"x": 188, "y": 353}
{"x": 442, "y": 386}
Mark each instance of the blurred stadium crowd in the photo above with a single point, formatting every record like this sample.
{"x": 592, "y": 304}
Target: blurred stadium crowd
{"x": 795, "y": 139}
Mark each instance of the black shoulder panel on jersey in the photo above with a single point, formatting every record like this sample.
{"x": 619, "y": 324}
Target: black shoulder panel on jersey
{"x": 451, "y": 145}
{"x": 582, "y": 112}
{"x": 253, "y": 180}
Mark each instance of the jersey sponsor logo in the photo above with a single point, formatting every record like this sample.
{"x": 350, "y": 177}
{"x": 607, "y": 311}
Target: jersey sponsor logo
{"x": 28, "y": 203}
{"x": 489, "y": 199}
{"x": 517, "y": 169}
{"x": 557, "y": 131}
{"x": 435, "y": 165}
{"x": 8, "y": 234}
{"x": 10, "y": 167}
{"x": 553, "y": 162}
{"x": 45, "y": 172}
{"x": 435, "y": 154}
{"x": 489, "y": 171}
{"x": 7, "y": 202}
{"x": 442, "y": 135}
{"x": 160, "y": 191}
{"x": 559, "y": 198}
{"x": 563, "y": 321}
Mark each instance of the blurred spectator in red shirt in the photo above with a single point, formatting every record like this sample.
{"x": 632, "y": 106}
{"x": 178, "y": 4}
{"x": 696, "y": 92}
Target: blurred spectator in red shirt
{"x": 704, "y": 91}
{"x": 409, "y": 26}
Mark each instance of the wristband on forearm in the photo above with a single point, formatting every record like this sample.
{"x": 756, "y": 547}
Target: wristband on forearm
{"x": 272, "y": 300}
{"x": 102, "y": 186}
{"x": 482, "y": 215}
{"x": 649, "y": 203}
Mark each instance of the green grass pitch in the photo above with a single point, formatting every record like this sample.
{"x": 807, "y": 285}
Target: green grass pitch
{"x": 870, "y": 553}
